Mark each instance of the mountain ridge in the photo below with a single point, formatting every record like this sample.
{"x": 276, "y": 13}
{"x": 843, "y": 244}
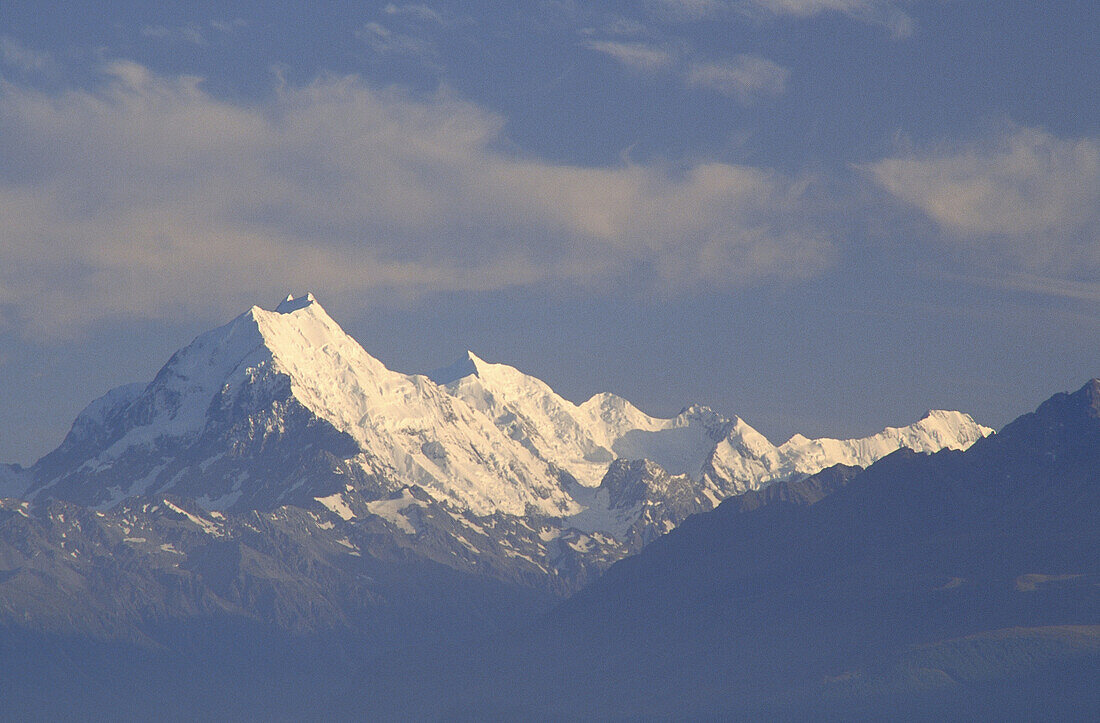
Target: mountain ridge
{"x": 282, "y": 407}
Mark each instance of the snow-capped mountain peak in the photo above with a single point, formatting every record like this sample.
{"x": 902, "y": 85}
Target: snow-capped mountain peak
{"x": 178, "y": 401}
{"x": 265, "y": 375}
{"x": 284, "y": 408}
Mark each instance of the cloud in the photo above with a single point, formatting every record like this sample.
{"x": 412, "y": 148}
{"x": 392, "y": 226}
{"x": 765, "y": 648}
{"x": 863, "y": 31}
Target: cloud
{"x": 193, "y": 33}
{"x": 743, "y": 77}
{"x": 146, "y": 197}
{"x": 878, "y": 12}
{"x": 17, "y": 55}
{"x": 635, "y": 55}
{"x": 1047, "y": 286}
{"x": 1028, "y": 197}
{"x": 384, "y": 41}
{"x": 422, "y": 13}
{"x": 410, "y": 30}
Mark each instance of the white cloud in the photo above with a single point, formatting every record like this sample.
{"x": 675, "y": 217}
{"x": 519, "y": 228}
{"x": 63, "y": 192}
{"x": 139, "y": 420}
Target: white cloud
{"x": 743, "y": 77}
{"x": 17, "y": 55}
{"x": 635, "y": 55}
{"x": 155, "y": 31}
{"x": 1027, "y": 196}
{"x": 806, "y": 8}
{"x": 385, "y": 41}
{"x": 192, "y": 32}
{"x": 414, "y": 11}
{"x": 879, "y": 12}
{"x": 148, "y": 197}
{"x": 411, "y": 30}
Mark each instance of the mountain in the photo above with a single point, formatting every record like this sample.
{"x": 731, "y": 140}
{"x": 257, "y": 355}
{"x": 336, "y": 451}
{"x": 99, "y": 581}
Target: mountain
{"x": 277, "y": 525}
{"x": 283, "y": 407}
{"x": 726, "y": 456}
{"x": 954, "y": 585}
{"x": 478, "y": 466}
{"x": 274, "y": 473}
{"x": 962, "y": 584}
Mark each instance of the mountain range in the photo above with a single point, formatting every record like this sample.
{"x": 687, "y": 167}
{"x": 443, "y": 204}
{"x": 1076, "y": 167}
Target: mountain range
{"x": 276, "y": 499}
{"x": 477, "y": 466}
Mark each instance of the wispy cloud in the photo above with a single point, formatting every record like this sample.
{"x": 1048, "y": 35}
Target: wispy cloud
{"x": 742, "y": 76}
{"x": 641, "y": 56}
{"x": 17, "y": 55}
{"x": 415, "y": 11}
{"x": 1044, "y": 285}
{"x": 147, "y": 197}
{"x": 878, "y": 12}
{"x": 385, "y": 41}
{"x": 619, "y": 25}
{"x": 193, "y": 33}
{"x": 1028, "y": 197}
{"x": 411, "y": 30}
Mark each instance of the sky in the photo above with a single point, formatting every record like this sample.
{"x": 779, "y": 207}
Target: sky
{"x": 824, "y": 216}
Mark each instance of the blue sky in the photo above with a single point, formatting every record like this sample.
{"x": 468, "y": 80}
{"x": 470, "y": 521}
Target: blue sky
{"x": 822, "y": 215}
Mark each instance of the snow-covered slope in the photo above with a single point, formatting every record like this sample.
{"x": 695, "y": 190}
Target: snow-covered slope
{"x": 250, "y": 372}
{"x": 405, "y": 425}
{"x": 746, "y": 460}
{"x": 727, "y": 456}
{"x": 583, "y": 439}
{"x": 577, "y": 439}
{"x": 938, "y": 429}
